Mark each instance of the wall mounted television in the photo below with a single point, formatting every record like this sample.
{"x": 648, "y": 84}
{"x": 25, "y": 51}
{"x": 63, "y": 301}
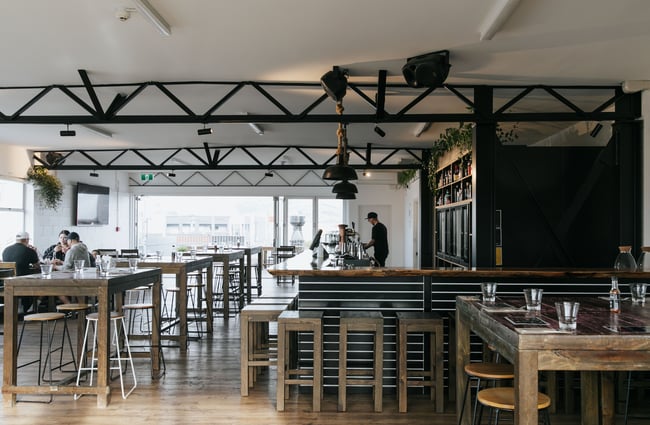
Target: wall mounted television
{"x": 91, "y": 205}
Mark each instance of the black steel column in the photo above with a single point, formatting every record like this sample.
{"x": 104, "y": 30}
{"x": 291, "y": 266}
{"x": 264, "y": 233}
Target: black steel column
{"x": 483, "y": 182}
{"x": 427, "y": 212}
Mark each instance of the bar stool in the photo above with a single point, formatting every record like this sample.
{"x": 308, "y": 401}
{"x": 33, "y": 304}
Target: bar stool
{"x": 256, "y": 347}
{"x": 147, "y": 309}
{"x": 429, "y": 325}
{"x": 195, "y": 300}
{"x": 299, "y": 321}
{"x": 503, "y": 398}
{"x": 361, "y": 321}
{"x": 50, "y": 320}
{"x": 117, "y": 323}
{"x": 484, "y": 371}
{"x": 80, "y": 310}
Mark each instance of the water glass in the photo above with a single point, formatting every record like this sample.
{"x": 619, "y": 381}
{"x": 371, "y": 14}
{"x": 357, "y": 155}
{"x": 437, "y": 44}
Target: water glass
{"x": 567, "y": 315}
{"x": 637, "y": 291}
{"x": 46, "y": 270}
{"x": 193, "y": 254}
{"x": 489, "y": 290}
{"x": 533, "y": 298}
{"x": 133, "y": 264}
{"x": 79, "y": 265}
{"x": 104, "y": 265}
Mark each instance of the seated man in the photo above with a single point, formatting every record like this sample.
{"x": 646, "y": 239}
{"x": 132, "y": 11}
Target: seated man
{"x": 76, "y": 251}
{"x": 26, "y": 259}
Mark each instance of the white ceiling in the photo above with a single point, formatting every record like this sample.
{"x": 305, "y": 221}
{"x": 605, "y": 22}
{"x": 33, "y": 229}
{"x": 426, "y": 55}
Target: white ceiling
{"x": 45, "y": 42}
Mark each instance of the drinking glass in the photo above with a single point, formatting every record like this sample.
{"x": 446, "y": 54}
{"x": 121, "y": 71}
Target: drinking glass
{"x": 46, "y": 270}
{"x": 567, "y": 315}
{"x": 489, "y": 290}
{"x": 79, "y": 265}
{"x": 104, "y": 265}
{"x": 533, "y": 298}
{"x": 637, "y": 291}
{"x": 133, "y": 264}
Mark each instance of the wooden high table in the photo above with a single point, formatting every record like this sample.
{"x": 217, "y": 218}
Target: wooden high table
{"x": 180, "y": 269}
{"x": 225, "y": 257}
{"x": 248, "y": 253}
{"x": 86, "y": 284}
{"x": 592, "y": 348}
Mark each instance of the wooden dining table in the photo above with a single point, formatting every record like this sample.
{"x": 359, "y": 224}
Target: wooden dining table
{"x": 181, "y": 267}
{"x": 226, "y": 256}
{"x": 602, "y": 344}
{"x": 85, "y": 284}
{"x": 249, "y": 251}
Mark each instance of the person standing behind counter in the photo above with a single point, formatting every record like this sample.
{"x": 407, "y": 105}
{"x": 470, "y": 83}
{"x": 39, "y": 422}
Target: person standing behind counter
{"x": 379, "y": 239}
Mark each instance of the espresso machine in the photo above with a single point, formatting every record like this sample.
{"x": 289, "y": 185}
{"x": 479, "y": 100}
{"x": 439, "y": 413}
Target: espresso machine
{"x": 345, "y": 247}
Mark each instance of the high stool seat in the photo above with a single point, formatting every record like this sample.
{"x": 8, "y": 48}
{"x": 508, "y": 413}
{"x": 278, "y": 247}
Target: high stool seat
{"x": 195, "y": 300}
{"x": 503, "y": 398}
{"x": 50, "y": 320}
{"x": 80, "y": 310}
{"x": 256, "y": 348}
{"x": 366, "y": 322}
{"x": 148, "y": 310}
{"x": 484, "y": 371}
{"x": 431, "y": 326}
{"x": 292, "y": 322}
{"x": 119, "y": 341}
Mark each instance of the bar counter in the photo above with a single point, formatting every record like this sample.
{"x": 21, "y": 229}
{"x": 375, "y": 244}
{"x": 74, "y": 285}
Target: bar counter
{"x": 394, "y": 289}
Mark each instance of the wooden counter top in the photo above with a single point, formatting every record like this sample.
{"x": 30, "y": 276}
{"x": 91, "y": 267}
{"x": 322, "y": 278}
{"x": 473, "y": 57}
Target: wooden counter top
{"x": 304, "y": 264}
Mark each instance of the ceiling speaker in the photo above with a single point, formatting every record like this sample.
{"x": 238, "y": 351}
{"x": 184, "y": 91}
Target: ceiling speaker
{"x": 428, "y": 70}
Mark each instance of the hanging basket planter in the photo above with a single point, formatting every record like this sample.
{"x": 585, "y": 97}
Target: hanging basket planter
{"x": 48, "y": 186}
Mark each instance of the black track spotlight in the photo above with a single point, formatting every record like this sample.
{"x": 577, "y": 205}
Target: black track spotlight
{"x": 429, "y": 70}
{"x": 204, "y": 131}
{"x": 67, "y": 132}
{"x": 379, "y": 131}
{"x": 93, "y": 174}
{"x": 334, "y": 82}
{"x": 596, "y": 130}
{"x": 171, "y": 174}
{"x": 268, "y": 174}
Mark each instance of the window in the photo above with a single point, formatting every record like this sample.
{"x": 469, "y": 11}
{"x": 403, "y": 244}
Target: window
{"x": 12, "y": 211}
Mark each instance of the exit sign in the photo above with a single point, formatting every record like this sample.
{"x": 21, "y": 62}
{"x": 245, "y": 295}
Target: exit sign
{"x": 146, "y": 177}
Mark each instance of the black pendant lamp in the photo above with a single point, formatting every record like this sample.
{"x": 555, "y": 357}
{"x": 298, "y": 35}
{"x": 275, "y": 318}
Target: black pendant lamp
{"x": 345, "y": 190}
{"x": 341, "y": 171}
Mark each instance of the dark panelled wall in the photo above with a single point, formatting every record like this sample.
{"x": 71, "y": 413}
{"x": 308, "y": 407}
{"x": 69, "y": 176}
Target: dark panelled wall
{"x": 560, "y": 206}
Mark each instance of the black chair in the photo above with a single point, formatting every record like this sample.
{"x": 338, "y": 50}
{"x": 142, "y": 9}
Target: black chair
{"x": 109, "y": 252}
{"x": 129, "y": 253}
{"x": 282, "y": 253}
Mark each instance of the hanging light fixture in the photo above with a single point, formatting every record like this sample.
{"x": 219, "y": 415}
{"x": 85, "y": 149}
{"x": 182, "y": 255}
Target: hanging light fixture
{"x": 341, "y": 171}
{"x": 345, "y": 190}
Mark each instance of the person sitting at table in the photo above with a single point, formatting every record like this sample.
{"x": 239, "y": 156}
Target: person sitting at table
{"x": 57, "y": 251}
{"x": 76, "y": 251}
{"x": 27, "y": 262}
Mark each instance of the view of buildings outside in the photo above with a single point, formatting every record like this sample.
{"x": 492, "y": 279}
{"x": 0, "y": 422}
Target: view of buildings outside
{"x": 200, "y": 221}
{"x": 11, "y": 211}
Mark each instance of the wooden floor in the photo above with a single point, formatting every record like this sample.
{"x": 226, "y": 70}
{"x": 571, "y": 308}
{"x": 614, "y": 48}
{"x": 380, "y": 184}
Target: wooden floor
{"x": 201, "y": 386}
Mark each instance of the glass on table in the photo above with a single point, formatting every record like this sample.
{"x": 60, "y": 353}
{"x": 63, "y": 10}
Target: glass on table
{"x": 533, "y": 298}
{"x": 133, "y": 264}
{"x": 489, "y": 291}
{"x": 637, "y": 292}
{"x": 79, "y": 265}
{"x": 46, "y": 270}
{"x": 567, "y": 315}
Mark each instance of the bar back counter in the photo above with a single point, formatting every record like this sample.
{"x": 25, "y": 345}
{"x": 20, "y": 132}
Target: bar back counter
{"x": 391, "y": 290}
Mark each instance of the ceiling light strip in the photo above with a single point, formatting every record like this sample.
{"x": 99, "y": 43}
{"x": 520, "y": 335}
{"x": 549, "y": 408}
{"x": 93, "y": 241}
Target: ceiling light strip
{"x": 153, "y": 17}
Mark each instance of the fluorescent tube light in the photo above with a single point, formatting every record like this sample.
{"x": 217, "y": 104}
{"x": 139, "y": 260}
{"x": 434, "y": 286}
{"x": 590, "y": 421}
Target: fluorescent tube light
{"x": 97, "y": 130}
{"x": 256, "y": 128}
{"x": 153, "y": 16}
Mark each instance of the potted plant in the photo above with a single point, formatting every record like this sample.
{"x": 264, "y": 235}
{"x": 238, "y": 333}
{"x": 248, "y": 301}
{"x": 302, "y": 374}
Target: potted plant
{"x": 49, "y": 187}
{"x": 405, "y": 177}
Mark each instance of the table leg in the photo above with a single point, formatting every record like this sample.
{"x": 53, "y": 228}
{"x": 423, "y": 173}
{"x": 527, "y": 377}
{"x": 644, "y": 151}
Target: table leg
{"x": 589, "y": 398}
{"x": 181, "y": 283}
{"x": 607, "y": 397}
{"x": 103, "y": 348}
{"x": 208, "y": 296}
{"x": 9, "y": 377}
{"x": 156, "y": 295}
{"x": 241, "y": 283}
{"x": 249, "y": 278}
{"x": 226, "y": 289}
{"x": 259, "y": 273}
{"x": 462, "y": 358}
{"x": 244, "y": 340}
{"x": 526, "y": 388}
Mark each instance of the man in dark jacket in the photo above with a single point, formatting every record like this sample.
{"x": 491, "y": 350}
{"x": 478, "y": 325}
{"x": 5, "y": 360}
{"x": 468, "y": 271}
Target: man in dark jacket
{"x": 379, "y": 239}
{"x": 26, "y": 259}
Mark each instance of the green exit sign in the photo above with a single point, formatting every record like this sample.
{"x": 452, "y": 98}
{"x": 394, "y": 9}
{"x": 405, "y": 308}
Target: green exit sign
{"x": 146, "y": 177}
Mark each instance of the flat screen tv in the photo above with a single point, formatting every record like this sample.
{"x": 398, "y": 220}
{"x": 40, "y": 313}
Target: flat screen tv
{"x": 91, "y": 207}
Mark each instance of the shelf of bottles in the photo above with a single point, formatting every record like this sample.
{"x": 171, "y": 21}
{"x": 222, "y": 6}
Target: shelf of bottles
{"x": 453, "y": 213}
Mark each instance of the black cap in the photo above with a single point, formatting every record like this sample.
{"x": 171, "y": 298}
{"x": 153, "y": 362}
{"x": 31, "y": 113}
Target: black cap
{"x": 371, "y": 215}
{"x": 74, "y": 236}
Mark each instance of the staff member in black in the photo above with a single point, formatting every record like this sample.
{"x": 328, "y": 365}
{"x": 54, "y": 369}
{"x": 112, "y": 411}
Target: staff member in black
{"x": 379, "y": 239}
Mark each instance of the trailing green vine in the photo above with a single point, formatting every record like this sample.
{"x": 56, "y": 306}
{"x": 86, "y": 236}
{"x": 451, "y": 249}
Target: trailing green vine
{"x": 405, "y": 177}
{"x": 49, "y": 187}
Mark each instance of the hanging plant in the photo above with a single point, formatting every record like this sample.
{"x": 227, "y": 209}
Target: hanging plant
{"x": 49, "y": 187}
{"x": 405, "y": 177}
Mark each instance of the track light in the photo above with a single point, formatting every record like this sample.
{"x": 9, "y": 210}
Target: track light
{"x": 171, "y": 174}
{"x": 596, "y": 130}
{"x": 153, "y": 16}
{"x": 204, "y": 131}
{"x": 379, "y": 131}
{"x": 256, "y": 128}
{"x": 268, "y": 174}
{"x": 67, "y": 132}
{"x": 421, "y": 128}
{"x": 429, "y": 70}
{"x": 93, "y": 174}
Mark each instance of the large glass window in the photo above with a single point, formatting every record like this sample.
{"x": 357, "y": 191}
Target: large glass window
{"x": 12, "y": 212}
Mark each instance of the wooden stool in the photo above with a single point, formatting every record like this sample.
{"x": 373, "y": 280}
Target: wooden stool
{"x": 117, "y": 321}
{"x": 299, "y": 321}
{"x": 49, "y": 319}
{"x": 361, "y": 321}
{"x": 431, "y": 326}
{"x": 503, "y": 398}
{"x": 484, "y": 371}
{"x": 255, "y": 346}
{"x": 81, "y": 310}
